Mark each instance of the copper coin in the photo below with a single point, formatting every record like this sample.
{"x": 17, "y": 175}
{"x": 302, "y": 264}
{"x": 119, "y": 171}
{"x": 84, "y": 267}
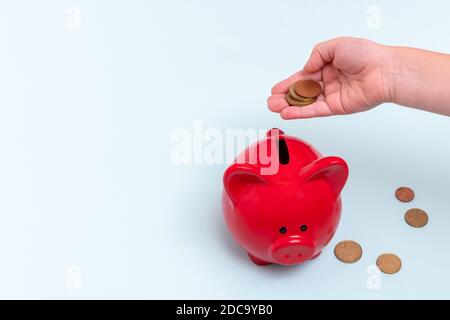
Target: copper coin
{"x": 404, "y": 194}
{"x": 348, "y": 251}
{"x": 416, "y": 218}
{"x": 294, "y": 102}
{"x": 389, "y": 263}
{"x": 297, "y": 97}
{"x": 308, "y": 88}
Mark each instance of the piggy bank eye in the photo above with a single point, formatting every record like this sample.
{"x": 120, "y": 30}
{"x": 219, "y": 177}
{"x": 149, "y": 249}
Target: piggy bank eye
{"x": 303, "y": 228}
{"x": 283, "y": 230}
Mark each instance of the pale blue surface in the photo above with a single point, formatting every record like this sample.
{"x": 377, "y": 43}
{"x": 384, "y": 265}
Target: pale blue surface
{"x": 85, "y": 172}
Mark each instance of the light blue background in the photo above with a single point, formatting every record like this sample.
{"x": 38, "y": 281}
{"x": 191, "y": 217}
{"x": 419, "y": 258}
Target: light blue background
{"x": 85, "y": 172}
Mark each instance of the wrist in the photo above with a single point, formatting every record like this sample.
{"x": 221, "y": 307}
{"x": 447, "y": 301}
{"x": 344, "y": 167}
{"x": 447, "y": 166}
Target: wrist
{"x": 404, "y": 74}
{"x": 392, "y": 72}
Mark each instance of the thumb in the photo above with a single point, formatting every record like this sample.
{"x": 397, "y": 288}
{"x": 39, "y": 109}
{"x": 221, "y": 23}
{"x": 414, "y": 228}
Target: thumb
{"x": 322, "y": 54}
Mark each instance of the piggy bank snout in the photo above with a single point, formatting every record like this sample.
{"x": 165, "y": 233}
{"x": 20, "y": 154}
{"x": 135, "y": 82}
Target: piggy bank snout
{"x": 292, "y": 250}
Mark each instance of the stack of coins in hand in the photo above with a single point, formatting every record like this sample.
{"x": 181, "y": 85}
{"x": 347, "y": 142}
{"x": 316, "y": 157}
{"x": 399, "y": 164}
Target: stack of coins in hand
{"x": 303, "y": 93}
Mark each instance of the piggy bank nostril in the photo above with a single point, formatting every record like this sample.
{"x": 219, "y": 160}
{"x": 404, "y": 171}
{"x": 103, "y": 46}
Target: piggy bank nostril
{"x": 287, "y": 256}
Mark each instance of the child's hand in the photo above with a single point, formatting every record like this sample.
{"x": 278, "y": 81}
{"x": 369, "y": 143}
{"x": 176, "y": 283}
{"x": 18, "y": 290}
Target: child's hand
{"x": 353, "y": 73}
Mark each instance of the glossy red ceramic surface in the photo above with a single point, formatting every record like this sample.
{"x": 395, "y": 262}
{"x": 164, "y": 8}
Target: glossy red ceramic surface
{"x": 285, "y": 210}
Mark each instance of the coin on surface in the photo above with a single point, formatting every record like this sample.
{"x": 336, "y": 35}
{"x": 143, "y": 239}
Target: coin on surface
{"x": 404, "y": 194}
{"x": 297, "y": 97}
{"x": 294, "y": 102}
{"x": 348, "y": 251}
{"x": 308, "y": 88}
{"x": 416, "y": 218}
{"x": 389, "y": 263}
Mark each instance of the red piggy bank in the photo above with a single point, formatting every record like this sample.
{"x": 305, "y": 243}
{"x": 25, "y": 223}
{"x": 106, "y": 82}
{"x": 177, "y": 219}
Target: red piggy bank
{"x": 288, "y": 214}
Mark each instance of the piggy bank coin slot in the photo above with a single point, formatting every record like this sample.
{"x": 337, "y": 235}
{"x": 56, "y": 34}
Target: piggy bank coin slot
{"x": 283, "y": 152}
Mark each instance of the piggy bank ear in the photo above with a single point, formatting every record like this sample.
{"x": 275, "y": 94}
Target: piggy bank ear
{"x": 239, "y": 177}
{"x": 333, "y": 169}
